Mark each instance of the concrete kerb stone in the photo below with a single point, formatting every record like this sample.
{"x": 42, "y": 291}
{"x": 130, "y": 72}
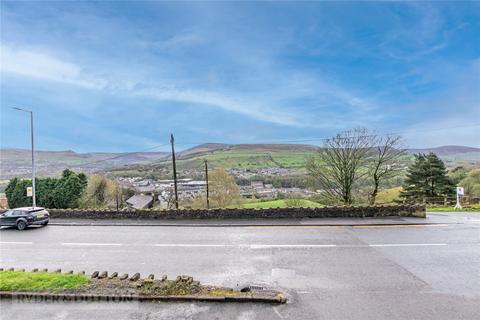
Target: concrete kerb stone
{"x": 66, "y": 297}
{"x": 135, "y": 277}
{"x": 38, "y": 296}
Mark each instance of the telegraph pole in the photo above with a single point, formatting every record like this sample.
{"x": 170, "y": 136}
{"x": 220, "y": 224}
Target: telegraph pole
{"x": 172, "y": 141}
{"x": 206, "y": 181}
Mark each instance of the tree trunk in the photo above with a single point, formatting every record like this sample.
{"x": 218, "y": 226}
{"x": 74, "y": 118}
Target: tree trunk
{"x": 373, "y": 195}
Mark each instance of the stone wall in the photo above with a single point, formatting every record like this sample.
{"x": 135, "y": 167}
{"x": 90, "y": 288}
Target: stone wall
{"x": 242, "y": 213}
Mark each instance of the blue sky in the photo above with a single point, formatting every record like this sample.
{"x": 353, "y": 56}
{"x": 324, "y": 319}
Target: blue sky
{"x": 120, "y": 76}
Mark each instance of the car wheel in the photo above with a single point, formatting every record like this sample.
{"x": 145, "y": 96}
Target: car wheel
{"x": 45, "y": 223}
{"x": 21, "y": 225}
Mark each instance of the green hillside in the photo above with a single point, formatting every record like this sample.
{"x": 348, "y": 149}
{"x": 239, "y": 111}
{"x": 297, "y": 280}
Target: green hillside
{"x": 252, "y": 160}
{"x": 16, "y": 162}
{"x": 229, "y": 159}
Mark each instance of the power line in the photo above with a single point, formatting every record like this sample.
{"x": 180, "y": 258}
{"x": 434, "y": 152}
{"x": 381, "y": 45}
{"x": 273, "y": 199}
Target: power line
{"x": 278, "y": 142}
{"x": 119, "y": 156}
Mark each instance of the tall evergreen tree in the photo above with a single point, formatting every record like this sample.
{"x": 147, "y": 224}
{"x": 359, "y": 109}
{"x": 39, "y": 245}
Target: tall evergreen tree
{"x": 16, "y": 193}
{"x": 427, "y": 179}
{"x": 50, "y": 192}
{"x": 68, "y": 191}
{"x": 45, "y": 192}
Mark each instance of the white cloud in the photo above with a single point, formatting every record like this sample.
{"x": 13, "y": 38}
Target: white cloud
{"x": 276, "y": 106}
{"x": 42, "y": 66}
{"x": 247, "y": 108}
{"x": 181, "y": 41}
{"x": 39, "y": 65}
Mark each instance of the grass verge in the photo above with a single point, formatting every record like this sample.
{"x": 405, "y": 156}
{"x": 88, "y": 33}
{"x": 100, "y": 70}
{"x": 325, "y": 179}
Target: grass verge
{"x": 475, "y": 208}
{"x": 39, "y": 281}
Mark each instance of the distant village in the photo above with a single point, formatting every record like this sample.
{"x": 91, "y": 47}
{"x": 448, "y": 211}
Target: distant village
{"x": 158, "y": 193}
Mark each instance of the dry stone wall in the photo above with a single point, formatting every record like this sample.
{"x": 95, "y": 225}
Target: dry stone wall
{"x": 243, "y": 213}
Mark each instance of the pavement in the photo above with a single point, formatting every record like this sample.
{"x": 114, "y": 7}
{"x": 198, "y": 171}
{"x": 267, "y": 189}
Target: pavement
{"x": 434, "y": 218}
{"x": 403, "y": 268}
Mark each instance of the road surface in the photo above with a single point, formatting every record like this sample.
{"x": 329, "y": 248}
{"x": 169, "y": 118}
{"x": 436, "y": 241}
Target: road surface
{"x": 409, "y": 271}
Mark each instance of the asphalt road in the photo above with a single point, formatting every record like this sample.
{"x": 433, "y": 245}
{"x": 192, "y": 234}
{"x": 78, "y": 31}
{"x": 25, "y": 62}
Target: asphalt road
{"x": 408, "y": 271}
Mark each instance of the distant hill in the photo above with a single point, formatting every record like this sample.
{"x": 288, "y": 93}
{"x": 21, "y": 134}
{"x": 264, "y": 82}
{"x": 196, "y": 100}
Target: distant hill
{"x": 16, "y": 162}
{"x": 202, "y": 149}
{"x": 208, "y": 148}
{"x": 446, "y": 150}
{"x": 454, "y": 155}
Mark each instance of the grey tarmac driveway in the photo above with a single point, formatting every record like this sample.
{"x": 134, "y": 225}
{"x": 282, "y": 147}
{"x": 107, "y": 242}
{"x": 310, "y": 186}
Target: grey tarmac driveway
{"x": 340, "y": 272}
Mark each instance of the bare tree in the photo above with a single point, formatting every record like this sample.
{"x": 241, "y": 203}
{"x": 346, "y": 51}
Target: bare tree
{"x": 384, "y": 161}
{"x": 170, "y": 198}
{"x": 340, "y": 163}
{"x": 223, "y": 192}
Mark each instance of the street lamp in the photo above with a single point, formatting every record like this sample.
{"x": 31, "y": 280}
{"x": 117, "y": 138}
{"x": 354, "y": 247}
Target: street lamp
{"x": 33, "y": 154}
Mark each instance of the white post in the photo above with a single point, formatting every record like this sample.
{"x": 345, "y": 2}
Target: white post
{"x": 459, "y": 193}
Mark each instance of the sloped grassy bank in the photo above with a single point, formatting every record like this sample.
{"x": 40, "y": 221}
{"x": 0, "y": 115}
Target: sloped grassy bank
{"x": 101, "y": 286}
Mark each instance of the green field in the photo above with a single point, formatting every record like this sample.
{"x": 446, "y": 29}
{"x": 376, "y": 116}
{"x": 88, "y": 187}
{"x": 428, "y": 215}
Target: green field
{"x": 248, "y": 160}
{"x": 39, "y": 281}
{"x": 283, "y": 203}
{"x": 388, "y": 195}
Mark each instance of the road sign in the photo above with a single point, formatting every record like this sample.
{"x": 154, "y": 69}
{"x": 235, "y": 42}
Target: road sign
{"x": 460, "y": 191}
{"x": 29, "y": 191}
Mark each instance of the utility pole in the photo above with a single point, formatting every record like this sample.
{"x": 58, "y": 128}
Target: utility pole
{"x": 206, "y": 181}
{"x": 172, "y": 141}
{"x": 34, "y": 202}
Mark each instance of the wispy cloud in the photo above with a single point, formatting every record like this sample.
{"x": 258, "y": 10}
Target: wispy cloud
{"x": 43, "y": 66}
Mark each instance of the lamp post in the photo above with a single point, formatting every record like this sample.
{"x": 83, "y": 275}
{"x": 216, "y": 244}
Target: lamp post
{"x": 34, "y": 203}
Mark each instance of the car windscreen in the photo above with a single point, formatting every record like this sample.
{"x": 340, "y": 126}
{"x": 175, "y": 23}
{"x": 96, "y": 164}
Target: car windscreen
{"x": 8, "y": 213}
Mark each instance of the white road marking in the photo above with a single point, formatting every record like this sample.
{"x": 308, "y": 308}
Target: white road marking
{"x": 269, "y": 246}
{"x": 89, "y": 244}
{"x": 407, "y": 245}
{"x": 191, "y": 245}
{"x": 278, "y": 313}
{"x": 247, "y": 246}
{"x": 251, "y": 246}
{"x": 14, "y": 242}
{"x": 293, "y": 246}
